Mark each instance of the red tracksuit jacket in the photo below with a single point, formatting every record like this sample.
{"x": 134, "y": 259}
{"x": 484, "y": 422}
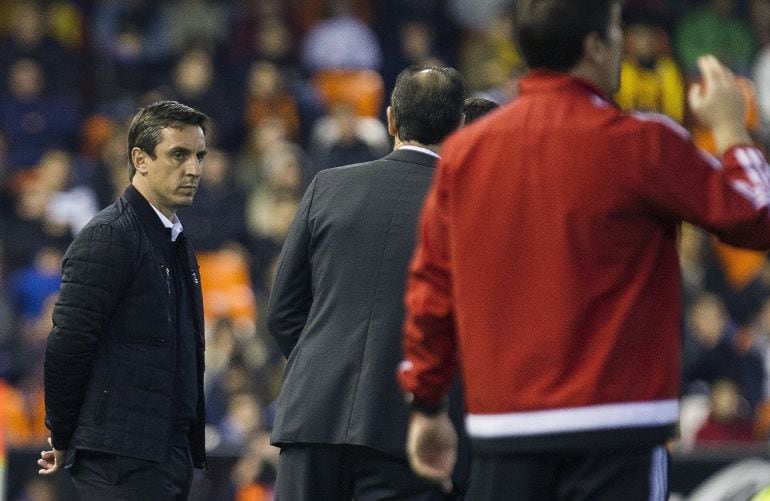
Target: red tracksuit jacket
{"x": 547, "y": 266}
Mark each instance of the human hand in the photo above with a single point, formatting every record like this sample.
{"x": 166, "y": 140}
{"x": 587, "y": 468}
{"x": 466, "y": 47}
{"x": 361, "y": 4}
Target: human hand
{"x": 431, "y": 446}
{"x": 718, "y": 103}
{"x": 50, "y": 461}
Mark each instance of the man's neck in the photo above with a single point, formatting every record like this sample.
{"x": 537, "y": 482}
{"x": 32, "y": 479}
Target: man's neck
{"x": 145, "y": 192}
{"x": 435, "y": 148}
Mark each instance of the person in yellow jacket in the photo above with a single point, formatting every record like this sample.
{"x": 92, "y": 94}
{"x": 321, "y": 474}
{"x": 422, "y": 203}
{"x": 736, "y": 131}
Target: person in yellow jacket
{"x": 650, "y": 80}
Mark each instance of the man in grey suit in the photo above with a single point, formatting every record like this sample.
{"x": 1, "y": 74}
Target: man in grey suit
{"x": 336, "y": 308}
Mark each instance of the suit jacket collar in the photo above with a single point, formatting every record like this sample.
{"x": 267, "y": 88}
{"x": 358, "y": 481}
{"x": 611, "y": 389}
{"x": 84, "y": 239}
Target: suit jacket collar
{"x": 412, "y": 156}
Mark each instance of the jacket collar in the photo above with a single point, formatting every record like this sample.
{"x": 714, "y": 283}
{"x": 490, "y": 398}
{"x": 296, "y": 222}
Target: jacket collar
{"x": 412, "y": 156}
{"x": 146, "y": 213}
{"x": 537, "y": 81}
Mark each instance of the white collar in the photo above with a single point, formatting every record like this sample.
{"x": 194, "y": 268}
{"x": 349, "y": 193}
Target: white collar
{"x": 420, "y": 149}
{"x": 175, "y": 224}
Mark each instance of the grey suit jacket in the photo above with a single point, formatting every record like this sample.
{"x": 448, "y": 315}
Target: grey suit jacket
{"x": 336, "y": 307}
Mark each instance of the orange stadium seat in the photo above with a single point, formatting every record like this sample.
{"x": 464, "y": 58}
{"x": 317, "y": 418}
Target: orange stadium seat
{"x": 364, "y": 89}
{"x": 226, "y": 285}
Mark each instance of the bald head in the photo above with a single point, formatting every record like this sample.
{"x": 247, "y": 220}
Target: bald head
{"x": 427, "y": 103}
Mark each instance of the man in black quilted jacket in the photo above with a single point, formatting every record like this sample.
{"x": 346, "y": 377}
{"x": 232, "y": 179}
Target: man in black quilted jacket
{"x": 124, "y": 360}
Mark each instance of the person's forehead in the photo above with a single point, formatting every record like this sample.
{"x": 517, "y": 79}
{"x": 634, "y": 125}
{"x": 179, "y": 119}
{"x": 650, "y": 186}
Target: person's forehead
{"x": 184, "y": 135}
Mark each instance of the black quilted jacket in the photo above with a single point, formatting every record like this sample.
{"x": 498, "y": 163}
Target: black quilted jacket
{"x": 110, "y": 358}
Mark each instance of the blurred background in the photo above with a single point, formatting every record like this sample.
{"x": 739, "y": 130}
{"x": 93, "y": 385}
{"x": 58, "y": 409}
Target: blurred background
{"x": 293, "y": 87}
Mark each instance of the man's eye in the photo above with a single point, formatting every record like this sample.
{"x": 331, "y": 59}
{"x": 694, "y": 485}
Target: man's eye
{"x": 178, "y": 155}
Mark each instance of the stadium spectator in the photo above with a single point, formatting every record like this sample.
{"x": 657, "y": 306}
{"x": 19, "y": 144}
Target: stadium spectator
{"x": 355, "y": 44}
{"x": 31, "y": 286}
{"x": 29, "y": 39}
{"x": 490, "y": 59}
{"x": 8, "y": 314}
{"x": 716, "y": 349}
{"x": 34, "y": 120}
{"x": 254, "y": 474}
{"x": 415, "y": 45}
{"x": 31, "y": 229}
{"x": 693, "y": 263}
{"x": 196, "y": 81}
{"x": 273, "y": 202}
{"x": 650, "y": 79}
{"x": 260, "y": 30}
{"x": 218, "y": 216}
{"x": 729, "y": 420}
{"x": 205, "y": 22}
{"x": 344, "y": 138}
{"x": 69, "y": 205}
{"x": 268, "y": 97}
{"x": 131, "y": 45}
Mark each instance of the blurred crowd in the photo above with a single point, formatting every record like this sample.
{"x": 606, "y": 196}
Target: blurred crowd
{"x": 293, "y": 87}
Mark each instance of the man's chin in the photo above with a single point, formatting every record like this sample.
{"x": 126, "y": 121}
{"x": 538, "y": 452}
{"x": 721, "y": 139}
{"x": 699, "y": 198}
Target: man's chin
{"x": 182, "y": 202}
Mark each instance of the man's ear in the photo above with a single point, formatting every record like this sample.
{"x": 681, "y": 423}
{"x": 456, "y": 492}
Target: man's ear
{"x": 392, "y": 129}
{"x": 594, "y": 48}
{"x": 139, "y": 159}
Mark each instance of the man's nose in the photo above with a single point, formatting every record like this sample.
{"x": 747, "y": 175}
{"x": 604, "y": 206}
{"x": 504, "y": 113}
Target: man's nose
{"x": 194, "y": 167}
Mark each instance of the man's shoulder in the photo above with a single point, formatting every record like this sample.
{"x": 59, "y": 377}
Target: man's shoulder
{"x": 402, "y": 157}
{"x": 115, "y": 219}
{"x": 109, "y": 215}
{"x": 648, "y": 121}
{"x": 337, "y": 174}
{"x": 356, "y": 167}
{"x": 108, "y": 238}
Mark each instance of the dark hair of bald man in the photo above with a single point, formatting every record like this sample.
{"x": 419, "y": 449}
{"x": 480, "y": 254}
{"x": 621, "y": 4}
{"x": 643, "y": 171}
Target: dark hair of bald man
{"x": 427, "y": 103}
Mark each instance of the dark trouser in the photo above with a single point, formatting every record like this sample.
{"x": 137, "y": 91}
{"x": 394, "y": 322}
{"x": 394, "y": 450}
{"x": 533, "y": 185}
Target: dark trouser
{"x": 100, "y": 476}
{"x": 343, "y": 472}
{"x": 633, "y": 475}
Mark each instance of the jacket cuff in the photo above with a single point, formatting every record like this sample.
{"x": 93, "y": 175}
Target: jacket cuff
{"x": 427, "y": 408}
{"x": 60, "y": 442}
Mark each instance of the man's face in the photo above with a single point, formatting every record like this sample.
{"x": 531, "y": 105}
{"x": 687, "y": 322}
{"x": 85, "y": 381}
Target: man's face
{"x": 172, "y": 177}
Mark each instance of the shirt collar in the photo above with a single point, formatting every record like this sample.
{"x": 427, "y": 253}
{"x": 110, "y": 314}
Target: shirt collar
{"x": 174, "y": 224}
{"x": 539, "y": 80}
{"x": 420, "y": 149}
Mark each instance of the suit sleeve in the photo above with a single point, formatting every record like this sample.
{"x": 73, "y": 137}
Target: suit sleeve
{"x": 95, "y": 270}
{"x": 429, "y": 343}
{"x": 291, "y": 295}
{"x": 730, "y": 199}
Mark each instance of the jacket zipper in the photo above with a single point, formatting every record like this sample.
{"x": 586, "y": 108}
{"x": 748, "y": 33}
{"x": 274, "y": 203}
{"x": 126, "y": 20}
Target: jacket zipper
{"x": 168, "y": 287}
{"x": 101, "y": 411}
{"x": 168, "y": 279}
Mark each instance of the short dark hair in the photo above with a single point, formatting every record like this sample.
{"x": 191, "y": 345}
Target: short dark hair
{"x": 550, "y": 33}
{"x": 427, "y": 103}
{"x": 145, "y": 129}
{"x": 475, "y": 107}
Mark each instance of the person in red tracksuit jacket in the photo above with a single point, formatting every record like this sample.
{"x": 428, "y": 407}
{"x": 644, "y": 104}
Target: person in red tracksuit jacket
{"x": 547, "y": 269}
